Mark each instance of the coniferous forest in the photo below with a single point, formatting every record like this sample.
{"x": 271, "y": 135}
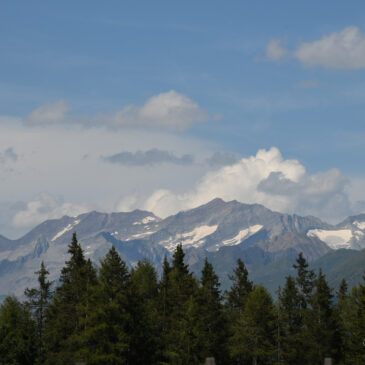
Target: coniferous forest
{"x": 108, "y": 314}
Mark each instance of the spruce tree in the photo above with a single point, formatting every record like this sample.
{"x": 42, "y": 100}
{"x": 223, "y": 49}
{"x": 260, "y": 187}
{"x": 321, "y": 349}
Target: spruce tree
{"x": 213, "y": 328}
{"x": 38, "y": 302}
{"x": 106, "y": 332}
{"x": 180, "y": 345}
{"x": 322, "y": 323}
{"x": 290, "y": 323}
{"x": 240, "y": 288}
{"x": 305, "y": 280}
{"x": 68, "y": 309}
{"x": 253, "y": 337}
{"x": 145, "y": 344}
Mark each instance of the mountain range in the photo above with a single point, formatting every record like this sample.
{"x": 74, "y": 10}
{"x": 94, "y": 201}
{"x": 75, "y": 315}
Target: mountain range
{"x": 268, "y": 242}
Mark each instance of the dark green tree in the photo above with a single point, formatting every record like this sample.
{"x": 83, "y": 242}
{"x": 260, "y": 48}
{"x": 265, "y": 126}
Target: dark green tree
{"x": 68, "y": 309}
{"x": 305, "y": 281}
{"x": 18, "y": 334}
{"x": 290, "y": 323}
{"x": 145, "y": 342}
{"x": 38, "y": 302}
{"x": 240, "y": 288}
{"x": 253, "y": 337}
{"x": 213, "y": 323}
{"x": 322, "y": 323}
{"x": 106, "y": 332}
{"x": 180, "y": 342}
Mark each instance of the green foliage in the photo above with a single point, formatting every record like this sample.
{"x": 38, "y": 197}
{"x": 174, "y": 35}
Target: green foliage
{"x": 105, "y": 334}
{"x": 18, "y": 336}
{"x": 117, "y": 316}
{"x": 69, "y": 307}
{"x": 241, "y": 287}
{"x": 253, "y": 338}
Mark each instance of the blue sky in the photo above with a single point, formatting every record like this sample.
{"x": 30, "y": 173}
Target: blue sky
{"x": 239, "y": 76}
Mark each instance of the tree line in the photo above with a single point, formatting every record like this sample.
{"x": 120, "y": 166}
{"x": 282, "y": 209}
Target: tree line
{"x": 112, "y": 315}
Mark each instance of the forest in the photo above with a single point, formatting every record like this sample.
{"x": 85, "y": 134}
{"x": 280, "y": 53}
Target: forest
{"x": 106, "y": 313}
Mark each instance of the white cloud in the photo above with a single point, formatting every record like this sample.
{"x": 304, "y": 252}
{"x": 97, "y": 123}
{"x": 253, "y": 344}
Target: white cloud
{"x": 266, "y": 178}
{"x": 51, "y": 113}
{"x": 340, "y": 50}
{"x": 275, "y": 51}
{"x": 44, "y": 207}
{"x": 166, "y": 111}
{"x": 344, "y": 49}
{"x": 171, "y": 111}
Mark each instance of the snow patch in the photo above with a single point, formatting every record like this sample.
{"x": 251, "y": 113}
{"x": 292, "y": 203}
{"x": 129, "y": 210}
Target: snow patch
{"x": 66, "y": 229}
{"x": 140, "y": 235}
{"x": 360, "y": 225}
{"x": 194, "y": 238}
{"x": 148, "y": 219}
{"x": 196, "y": 235}
{"x": 243, "y": 234}
{"x": 145, "y": 220}
{"x": 334, "y": 239}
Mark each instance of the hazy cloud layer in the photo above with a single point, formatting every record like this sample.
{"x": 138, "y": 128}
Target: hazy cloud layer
{"x": 8, "y": 155}
{"x": 166, "y": 111}
{"x": 218, "y": 159}
{"x": 43, "y": 207}
{"x": 344, "y": 49}
{"x": 149, "y": 157}
{"x": 266, "y": 178}
{"x": 48, "y": 114}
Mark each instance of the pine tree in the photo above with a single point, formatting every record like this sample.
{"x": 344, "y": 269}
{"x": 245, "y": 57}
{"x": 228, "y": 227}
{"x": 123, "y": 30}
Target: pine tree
{"x": 180, "y": 345}
{"x": 106, "y": 334}
{"x": 18, "y": 334}
{"x": 241, "y": 287}
{"x": 38, "y": 302}
{"x": 290, "y": 323}
{"x": 213, "y": 329}
{"x": 68, "y": 309}
{"x": 145, "y": 314}
{"x": 322, "y": 323}
{"x": 305, "y": 280}
{"x": 253, "y": 337}
{"x": 354, "y": 320}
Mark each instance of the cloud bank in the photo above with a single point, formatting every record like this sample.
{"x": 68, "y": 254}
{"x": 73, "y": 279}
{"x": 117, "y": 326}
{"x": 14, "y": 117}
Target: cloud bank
{"x": 170, "y": 111}
{"x": 344, "y": 49}
{"x": 150, "y": 157}
{"x": 268, "y": 179}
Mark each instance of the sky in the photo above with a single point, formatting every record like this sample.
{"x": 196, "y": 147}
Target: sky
{"x": 164, "y": 105}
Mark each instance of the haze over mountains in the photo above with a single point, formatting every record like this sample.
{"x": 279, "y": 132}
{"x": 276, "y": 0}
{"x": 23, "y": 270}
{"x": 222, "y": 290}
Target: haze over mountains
{"x": 267, "y": 241}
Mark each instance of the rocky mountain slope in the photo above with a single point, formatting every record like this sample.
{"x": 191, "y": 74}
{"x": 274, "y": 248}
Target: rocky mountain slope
{"x": 223, "y": 231}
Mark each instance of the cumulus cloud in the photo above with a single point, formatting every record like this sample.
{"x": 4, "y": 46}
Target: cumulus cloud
{"x": 150, "y": 157}
{"x": 266, "y": 178}
{"x": 48, "y": 114}
{"x": 275, "y": 51}
{"x": 344, "y": 49}
{"x": 171, "y": 111}
{"x": 43, "y": 207}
